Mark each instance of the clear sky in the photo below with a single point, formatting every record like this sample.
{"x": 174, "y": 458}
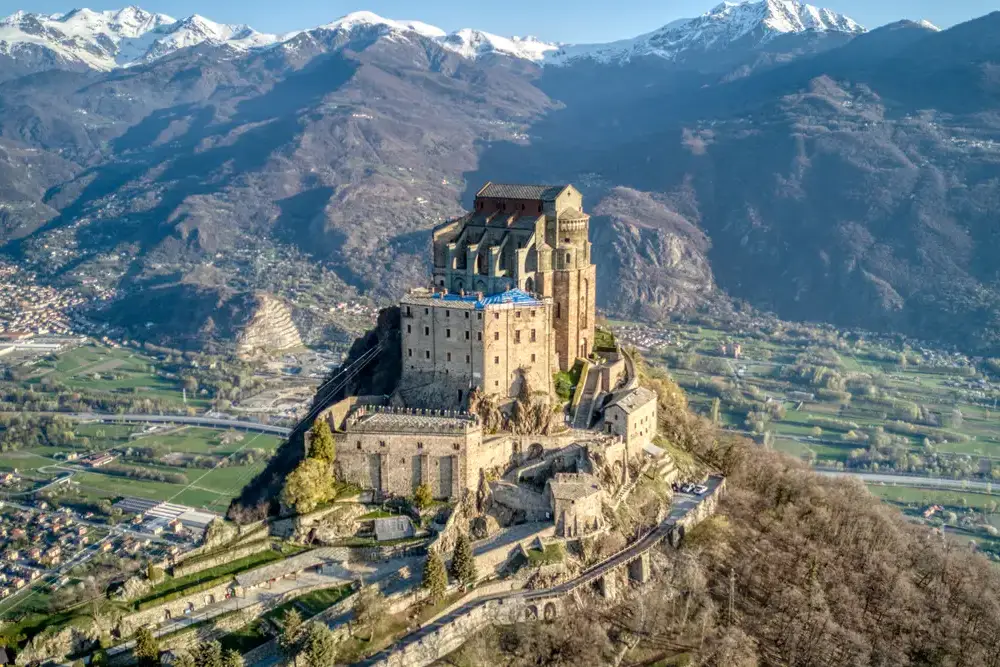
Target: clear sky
{"x": 552, "y": 20}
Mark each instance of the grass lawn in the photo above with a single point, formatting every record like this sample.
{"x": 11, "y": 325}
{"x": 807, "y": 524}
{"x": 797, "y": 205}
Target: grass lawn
{"x": 911, "y": 496}
{"x": 317, "y": 601}
{"x": 552, "y": 553}
{"x": 29, "y": 459}
{"x": 194, "y": 440}
{"x": 172, "y": 584}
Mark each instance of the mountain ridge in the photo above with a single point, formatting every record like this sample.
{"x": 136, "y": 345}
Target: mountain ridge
{"x": 121, "y": 38}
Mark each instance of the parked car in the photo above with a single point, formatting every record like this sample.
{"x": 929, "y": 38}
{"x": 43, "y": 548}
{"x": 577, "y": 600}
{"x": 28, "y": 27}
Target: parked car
{"x": 700, "y": 489}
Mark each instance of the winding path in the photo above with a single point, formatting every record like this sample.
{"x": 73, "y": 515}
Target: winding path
{"x": 683, "y": 505}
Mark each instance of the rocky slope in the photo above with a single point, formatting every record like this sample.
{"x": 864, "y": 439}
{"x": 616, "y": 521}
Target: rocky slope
{"x": 269, "y": 330}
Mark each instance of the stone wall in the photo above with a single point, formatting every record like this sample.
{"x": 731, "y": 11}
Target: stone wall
{"x": 224, "y": 556}
{"x": 611, "y": 373}
{"x": 455, "y": 345}
{"x": 219, "y": 626}
{"x": 176, "y": 608}
{"x": 396, "y": 463}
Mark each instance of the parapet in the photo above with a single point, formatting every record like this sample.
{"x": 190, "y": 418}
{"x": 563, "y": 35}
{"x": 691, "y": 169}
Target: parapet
{"x": 389, "y": 420}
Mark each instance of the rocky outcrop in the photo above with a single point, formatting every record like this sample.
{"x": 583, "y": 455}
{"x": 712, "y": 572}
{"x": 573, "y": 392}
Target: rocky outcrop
{"x": 270, "y": 329}
{"x": 653, "y": 260}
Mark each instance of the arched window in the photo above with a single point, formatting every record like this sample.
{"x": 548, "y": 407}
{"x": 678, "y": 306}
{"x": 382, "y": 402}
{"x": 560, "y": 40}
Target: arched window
{"x": 529, "y": 285}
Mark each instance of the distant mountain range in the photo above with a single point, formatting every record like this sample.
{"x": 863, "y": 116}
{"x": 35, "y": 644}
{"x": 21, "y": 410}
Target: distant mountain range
{"x": 774, "y": 150}
{"x": 123, "y": 38}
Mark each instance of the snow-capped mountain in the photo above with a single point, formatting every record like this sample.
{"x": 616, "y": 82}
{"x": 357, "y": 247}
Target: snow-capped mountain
{"x": 110, "y": 39}
{"x": 752, "y": 24}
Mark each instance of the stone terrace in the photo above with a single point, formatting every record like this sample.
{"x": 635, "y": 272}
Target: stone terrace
{"x": 401, "y": 420}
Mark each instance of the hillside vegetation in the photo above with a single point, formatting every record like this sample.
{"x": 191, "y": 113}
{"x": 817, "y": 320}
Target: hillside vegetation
{"x": 797, "y": 569}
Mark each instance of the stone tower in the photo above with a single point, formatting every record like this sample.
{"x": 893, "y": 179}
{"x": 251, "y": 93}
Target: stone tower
{"x": 529, "y": 237}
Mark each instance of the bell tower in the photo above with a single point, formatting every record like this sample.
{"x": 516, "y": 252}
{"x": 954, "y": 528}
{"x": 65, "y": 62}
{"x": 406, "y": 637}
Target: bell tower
{"x": 572, "y": 280}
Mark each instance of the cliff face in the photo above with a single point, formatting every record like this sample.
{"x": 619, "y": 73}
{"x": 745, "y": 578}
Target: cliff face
{"x": 652, "y": 259}
{"x": 270, "y": 329}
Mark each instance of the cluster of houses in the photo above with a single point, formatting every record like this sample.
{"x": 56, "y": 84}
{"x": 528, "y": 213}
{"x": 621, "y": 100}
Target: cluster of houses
{"x": 644, "y": 338}
{"x": 32, "y": 543}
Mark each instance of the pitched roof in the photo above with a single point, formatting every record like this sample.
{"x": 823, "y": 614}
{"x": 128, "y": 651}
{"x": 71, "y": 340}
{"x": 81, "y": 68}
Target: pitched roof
{"x": 514, "y": 191}
{"x": 633, "y": 399}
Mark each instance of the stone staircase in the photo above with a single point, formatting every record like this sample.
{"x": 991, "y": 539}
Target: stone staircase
{"x": 585, "y": 408}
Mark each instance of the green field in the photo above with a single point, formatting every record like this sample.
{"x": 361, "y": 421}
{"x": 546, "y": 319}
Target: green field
{"x": 98, "y": 368}
{"x": 207, "y": 488}
{"x": 919, "y": 498}
{"x": 763, "y": 377}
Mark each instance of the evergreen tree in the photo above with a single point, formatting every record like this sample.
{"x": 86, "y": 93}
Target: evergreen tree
{"x": 184, "y": 660}
{"x": 435, "y": 577}
{"x": 463, "y": 562}
{"x": 291, "y": 633}
{"x": 321, "y": 444}
{"x": 207, "y": 654}
{"x": 320, "y": 646}
{"x": 232, "y": 658}
{"x": 147, "y": 649}
{"x": 715, "y": 413}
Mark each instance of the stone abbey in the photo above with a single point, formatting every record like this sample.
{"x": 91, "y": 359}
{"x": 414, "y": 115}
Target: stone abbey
{"x": 512, "y": 301}
{"x": 513, "y": 297}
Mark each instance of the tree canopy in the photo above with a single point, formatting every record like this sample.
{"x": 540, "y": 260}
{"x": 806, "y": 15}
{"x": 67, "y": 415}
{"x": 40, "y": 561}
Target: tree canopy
{"x": 309, "y": 485}
{"x": 321, "y": 444}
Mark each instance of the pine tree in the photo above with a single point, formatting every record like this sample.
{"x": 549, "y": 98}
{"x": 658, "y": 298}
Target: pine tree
{"x": 184, "y": 660}
{"x": 232, "y": 658}
{"x": 291, "y": 633}
{"x": 207, "y": 654}
{"x": 463, "y": 562}
{"x": 147, "y": 649}
{"x": 320, "y": 646}
{"x": 435, "y": 577}
{"x": 321, "y": 445}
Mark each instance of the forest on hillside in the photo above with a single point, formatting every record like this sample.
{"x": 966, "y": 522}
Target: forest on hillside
{"x": 796, "y": 569}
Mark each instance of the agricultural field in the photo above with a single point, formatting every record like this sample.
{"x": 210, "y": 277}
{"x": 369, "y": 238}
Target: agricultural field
{"x": 178, "y": 464}
{"x": 838, "y": 399}
{"x": 97, "y": 368}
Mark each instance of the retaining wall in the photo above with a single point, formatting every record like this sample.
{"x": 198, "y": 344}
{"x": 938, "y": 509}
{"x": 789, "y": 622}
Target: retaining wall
{"x": 227, "y": 555}
{"x": 176, "y": 608}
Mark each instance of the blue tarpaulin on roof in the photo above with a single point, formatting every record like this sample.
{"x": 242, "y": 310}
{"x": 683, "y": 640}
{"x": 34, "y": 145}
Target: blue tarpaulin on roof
{"x": 514, "y": 296}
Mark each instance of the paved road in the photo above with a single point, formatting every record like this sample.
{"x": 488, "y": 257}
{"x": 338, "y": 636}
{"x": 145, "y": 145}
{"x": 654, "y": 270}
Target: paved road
{"x": 682, "y": 505}
{"x": 912, "y": 480}
{"x": 208, "y": 422}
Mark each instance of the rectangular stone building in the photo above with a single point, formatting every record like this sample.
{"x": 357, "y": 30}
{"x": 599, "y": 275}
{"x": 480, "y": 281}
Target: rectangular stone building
{"x": 632, "y": 415}
{"x": 392, "y": 451}
{"x": 576, "y": 500}
{"x": 454, "y": 343}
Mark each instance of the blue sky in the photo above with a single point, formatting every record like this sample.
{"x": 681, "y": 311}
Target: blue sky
{"x": 553, "y": 20}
